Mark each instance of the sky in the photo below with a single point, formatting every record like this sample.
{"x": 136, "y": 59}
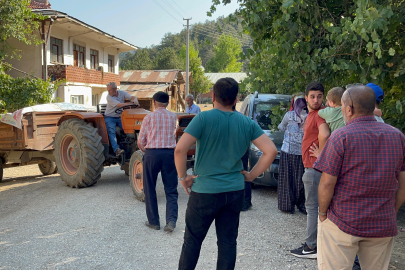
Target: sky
{"x": 142, "y": 23}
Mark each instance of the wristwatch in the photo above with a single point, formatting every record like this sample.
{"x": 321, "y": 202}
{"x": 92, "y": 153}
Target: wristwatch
{"x": 183, "y": 178}
{"x": 321, "y": 214}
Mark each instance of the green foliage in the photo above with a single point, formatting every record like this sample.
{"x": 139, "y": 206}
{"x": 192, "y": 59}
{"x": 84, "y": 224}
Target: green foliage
{"x": 22, "y": 92}
{"x": 140, "y": 60}
{"x": 167, "y": 59}
{"x": 203, "y": 36}
{"x": 227, "y": 55}
{"x": 393, "y": 107}
{"x": 334, "y": 42}
{"x": 277, "y": 115}
{"x": 17, "y": 21}
{"x": 201, "y": 84}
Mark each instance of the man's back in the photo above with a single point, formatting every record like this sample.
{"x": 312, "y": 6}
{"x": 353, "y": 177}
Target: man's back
{"x": 222, "y": 140}
{"x": 160, "y": 129}
{"x": 366, "y": 156}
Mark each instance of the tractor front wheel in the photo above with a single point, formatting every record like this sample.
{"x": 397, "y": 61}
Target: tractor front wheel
{"x": 136, "y": 175}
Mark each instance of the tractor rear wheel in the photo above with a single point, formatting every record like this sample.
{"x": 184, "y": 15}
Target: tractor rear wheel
{"x": 78, "y": 153}
{"x": 136, "y": 175}
{"x": 48, "y": 167}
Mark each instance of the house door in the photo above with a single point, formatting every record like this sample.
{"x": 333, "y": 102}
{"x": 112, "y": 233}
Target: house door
{"x": 75, "y": 58}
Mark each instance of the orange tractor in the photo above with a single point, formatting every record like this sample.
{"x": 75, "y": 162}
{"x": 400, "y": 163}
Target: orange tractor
{"x": 82, "y": 148}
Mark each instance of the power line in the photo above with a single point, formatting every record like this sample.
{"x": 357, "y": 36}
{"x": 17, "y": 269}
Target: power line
{"x": 181, "y": 9}
{"x": 167, "y": 3}
{"x": 221, "y": 32}
{"x": 212, "y": 31}
{"x": 243, "y": 40}
{"x": 155, "y": 1}
{"x": 207, "y": 30}
{"x": 244, "y": 43}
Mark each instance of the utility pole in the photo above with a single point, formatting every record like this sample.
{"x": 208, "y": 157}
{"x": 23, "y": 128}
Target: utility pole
{"x": 187, "y": 56}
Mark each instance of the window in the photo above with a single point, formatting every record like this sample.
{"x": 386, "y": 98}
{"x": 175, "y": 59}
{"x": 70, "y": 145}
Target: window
{"x": 77, "y": 99}
{"x": 93, "y": 59}
{"x": 94, "y": 100}
{"x": 111, "y": 63}
{"x": 262, "y": 113}
{"x": 56, "y": 50}
{"x": 79, "y": 55}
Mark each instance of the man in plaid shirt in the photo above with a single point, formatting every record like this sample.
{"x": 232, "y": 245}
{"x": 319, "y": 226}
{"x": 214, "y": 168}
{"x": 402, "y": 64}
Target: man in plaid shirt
{"x": 157, "y": 139}
{"x": 362, "y": 187}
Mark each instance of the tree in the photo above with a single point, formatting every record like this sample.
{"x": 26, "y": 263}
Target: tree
{"x": 201, "y": 84}
{"x": 17, "y": 93}
{"x": 167, "y": 58}
{"x": 19, "y": 22}
{"x": 334, "y": 42}
{"x": 227, "y": 55}
{"x": 140, "y": 60}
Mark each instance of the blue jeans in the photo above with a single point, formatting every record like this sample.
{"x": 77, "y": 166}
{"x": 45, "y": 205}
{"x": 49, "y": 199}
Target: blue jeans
{"x": 311, "y": 180}
{"x": 202, "y": 210}
{"x": 111, "y": 123}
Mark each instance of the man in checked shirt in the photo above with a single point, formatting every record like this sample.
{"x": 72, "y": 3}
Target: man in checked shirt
{"x": 157, "y": 139}
{"x": 362, "y": 187}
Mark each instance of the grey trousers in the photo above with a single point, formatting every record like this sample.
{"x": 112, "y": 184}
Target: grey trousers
{"x": 311, "y": 180}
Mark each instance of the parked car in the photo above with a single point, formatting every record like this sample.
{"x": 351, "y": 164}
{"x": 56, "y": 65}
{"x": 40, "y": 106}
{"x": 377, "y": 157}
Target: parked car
{"x": 258, "y": 107}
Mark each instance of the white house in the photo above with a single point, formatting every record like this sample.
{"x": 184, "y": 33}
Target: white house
{"x": 86, "y": 57}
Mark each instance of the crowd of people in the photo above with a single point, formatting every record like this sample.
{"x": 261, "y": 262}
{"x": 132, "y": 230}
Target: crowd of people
{"x": 340, "y": 165}
{"x": 352, "y": 175}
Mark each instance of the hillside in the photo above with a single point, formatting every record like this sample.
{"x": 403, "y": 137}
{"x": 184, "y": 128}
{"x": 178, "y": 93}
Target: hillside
{"x": 203, "y": 36}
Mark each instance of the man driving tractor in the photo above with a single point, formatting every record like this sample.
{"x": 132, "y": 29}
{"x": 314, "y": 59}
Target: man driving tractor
{"x": 115, "y": 100}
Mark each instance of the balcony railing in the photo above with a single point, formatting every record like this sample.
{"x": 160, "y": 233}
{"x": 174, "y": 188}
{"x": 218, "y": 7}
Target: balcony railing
{"x": 81, "y": 75}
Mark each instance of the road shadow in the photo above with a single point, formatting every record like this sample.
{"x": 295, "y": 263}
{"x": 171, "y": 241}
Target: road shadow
{"x": 31, "y": 178}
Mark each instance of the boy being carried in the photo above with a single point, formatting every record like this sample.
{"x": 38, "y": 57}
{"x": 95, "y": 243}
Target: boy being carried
{"x": 333, "y": 114}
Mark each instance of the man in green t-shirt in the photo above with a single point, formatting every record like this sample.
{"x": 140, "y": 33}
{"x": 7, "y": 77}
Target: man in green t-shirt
{"x": 217, "y": 186}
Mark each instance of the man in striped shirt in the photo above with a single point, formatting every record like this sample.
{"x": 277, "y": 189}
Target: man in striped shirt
{"x": 157, "y": 139}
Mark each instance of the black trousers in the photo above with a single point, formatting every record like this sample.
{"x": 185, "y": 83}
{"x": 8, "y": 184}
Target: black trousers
{"x": 202, "y": 210}
{"x": 155, "y": 161}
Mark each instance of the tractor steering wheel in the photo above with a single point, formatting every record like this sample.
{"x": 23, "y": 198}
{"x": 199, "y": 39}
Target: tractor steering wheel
{"x": 120, "y": 110}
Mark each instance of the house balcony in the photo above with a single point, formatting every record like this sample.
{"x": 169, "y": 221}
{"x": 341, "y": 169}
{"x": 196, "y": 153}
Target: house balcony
{"x": 73, "y": 74}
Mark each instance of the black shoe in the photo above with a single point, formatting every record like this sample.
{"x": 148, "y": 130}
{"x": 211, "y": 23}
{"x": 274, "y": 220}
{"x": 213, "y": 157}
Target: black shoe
{"x": 119, "y": 152}
{"x": 246, "y": 206}
{"x": 170, "y": 226}
{"x": 302, "y": 210}
{"x": 155, "y": 227}
{"x": 304, "y": 252}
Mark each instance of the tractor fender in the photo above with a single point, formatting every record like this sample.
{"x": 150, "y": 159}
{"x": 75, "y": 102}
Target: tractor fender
{"x": 96, "y": 119}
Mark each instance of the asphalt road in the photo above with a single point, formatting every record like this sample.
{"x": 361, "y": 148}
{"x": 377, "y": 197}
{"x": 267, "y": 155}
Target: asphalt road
{"x": 47, "y": 225}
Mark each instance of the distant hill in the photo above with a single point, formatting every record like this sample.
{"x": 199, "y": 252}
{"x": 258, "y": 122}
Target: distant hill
{"x": 204, "y": 36}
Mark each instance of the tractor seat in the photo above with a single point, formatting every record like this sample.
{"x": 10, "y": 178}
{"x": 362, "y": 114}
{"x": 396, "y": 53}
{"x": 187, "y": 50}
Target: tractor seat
{"x": 101, "y": 108}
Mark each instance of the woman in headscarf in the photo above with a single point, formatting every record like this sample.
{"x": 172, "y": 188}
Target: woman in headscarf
{"x": 290, "y": 186}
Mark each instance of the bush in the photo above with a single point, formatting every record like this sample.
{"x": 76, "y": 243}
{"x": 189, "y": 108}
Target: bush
{"x": 17, "y": 93}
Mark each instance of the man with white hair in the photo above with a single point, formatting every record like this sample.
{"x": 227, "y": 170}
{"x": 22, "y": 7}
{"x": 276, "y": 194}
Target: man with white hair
{"x": 115, "y": 100}
{"x": 191, "y": 107}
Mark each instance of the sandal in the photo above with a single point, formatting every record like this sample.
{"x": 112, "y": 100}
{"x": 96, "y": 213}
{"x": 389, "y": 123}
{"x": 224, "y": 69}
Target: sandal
{"x": 402, "y": 229}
